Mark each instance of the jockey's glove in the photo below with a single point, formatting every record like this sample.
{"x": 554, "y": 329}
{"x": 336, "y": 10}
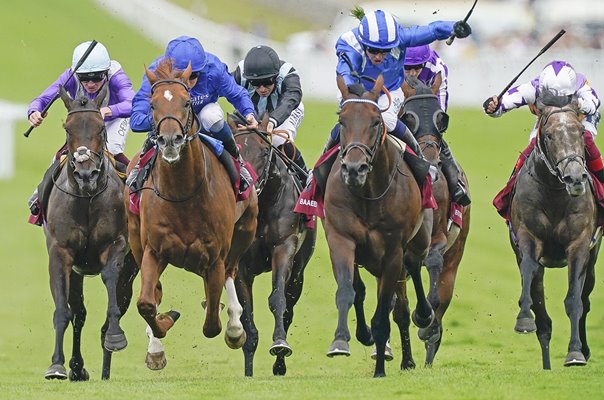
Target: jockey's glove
{"x": 462, "y": 29}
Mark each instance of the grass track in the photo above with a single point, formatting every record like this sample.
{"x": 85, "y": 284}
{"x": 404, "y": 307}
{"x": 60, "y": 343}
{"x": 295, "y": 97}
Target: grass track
{"x": 480, "y": 357}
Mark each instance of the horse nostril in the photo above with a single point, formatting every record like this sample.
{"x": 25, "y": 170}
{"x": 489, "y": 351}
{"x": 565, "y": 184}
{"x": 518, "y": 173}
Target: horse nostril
{"x": 161, "y": 141}
{"x": 363, "y": 169}
{"x": 179, "y": 140}
{"x": 94, "y": 174}
{"x": 77, "y": 175}
{"x": 344, "y": 168}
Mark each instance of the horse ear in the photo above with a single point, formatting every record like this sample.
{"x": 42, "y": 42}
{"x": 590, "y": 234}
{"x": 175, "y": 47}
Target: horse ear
{"x": 150, "y": 76}
{"x": 342, "y": 87}
{"x": 100, "y": 97}
{"x": 187, "y": 73}
{"x": 441, "y": 120}
{"x": 65, "y": 97}
{"x": 410, "y": 119}
{"x": 377, "y": 87}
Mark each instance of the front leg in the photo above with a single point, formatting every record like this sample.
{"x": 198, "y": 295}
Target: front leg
{"x": 115, "y": 339}
{"x": 151, "y": 270}
{"x": 528, "y": 252}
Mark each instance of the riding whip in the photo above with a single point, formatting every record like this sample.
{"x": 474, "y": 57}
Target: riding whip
{"x": 56, "y": 96}
{"x": 452, "y": 37}
{"x": 543, "y": 50}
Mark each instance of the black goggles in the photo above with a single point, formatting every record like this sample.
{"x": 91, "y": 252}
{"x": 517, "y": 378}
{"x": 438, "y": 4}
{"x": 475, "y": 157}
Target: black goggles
{"x": 92, "y": 76}
{"x": 262, "y": 82}
{"x": 194, "y": 75}
{"x": 414, "y": 66}
{"x": 374, "y": 50}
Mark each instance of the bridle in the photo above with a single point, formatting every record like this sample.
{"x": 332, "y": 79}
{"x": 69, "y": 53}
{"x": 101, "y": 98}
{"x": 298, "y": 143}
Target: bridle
{"x": 269, "y": 154}
{"x": 190, "y": 118}
{"x": 556, "y": 168}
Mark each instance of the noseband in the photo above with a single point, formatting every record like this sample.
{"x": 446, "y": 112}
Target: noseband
{"x": 559, "y": 166}
{"x": 368, "y": 152}
{"x": 191, "y": 116}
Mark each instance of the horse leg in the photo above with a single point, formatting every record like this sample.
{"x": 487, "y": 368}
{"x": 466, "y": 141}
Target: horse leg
{"x": 76, "y": 303}
{"x": 243, "y": 284}
{"x": 342, "y": 260}
{"x": 528, "y": 255}
{"x": 431, "y": 334}
{"x": 115, "y": 339}
{"x": 156, "y": 357}
{"x": 542, "y": 319}
{"x": 282, "y": 260}
{"x": 363, "y": 332}
{"x": 234, "y": 335}
{"x": 588, "y": 286}
{"x": 573, "y": 303}
{"x": 423, "y": 315}
{"x": 151, "y": 270}
{"x": 380, "y": 323}
{"x": 215, "y": 280}
{"x": 402, "y": 318}
{"x": 60, "y": 271}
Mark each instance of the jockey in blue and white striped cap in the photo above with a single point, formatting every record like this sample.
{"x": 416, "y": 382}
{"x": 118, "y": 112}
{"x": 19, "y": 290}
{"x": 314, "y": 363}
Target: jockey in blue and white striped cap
{"x": 379, "y": 30}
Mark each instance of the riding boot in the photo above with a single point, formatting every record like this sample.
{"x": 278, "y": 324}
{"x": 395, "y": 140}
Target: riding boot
{"x": 132, "y": 180}
{"x": 245, "y": 179}
{"x": 121, "y": 162}
{"x": 403, "y": 133}
{"x": 296, "y": 156}
{"x": 458, "y": 191}
{"x": 34, "y": 202}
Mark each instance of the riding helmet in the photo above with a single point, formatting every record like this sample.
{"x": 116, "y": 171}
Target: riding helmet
{"x": 261, "y": 62}
{"x": 185, "y": 49}
{"x": 379, "y": 29}
{"x": 417, "y": 55}
{"x": 560, "y": 77}
{"x": 98, "y": 60}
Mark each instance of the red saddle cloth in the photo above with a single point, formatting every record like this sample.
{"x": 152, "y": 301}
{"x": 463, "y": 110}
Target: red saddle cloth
{"x": 310, "y": 201}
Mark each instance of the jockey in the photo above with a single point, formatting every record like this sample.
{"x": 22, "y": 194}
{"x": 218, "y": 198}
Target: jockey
{"x": 426, "y": 65}
{"x": 95, "y": 72}
{"x": 377, "y": 46}
{"x": 209, "y": 80}
{"x": 562, "y": 78}
{"x": 274, "y": 86}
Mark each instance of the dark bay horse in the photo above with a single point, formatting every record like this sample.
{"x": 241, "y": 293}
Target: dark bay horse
{"x": 188, "y": 214}
{"x": 553, "y": 223}
{"x": 86, "y": 234}
{"x": 283, "y": 245}
{"x": 373, "y": 218}
{"x": 424, "y": 117}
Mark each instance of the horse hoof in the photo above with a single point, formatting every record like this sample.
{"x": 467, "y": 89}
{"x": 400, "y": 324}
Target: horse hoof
{"x": 429, "y": 335}
{"x": 235, "y": 341}
{"x": 575, "y": 359}
{"x": 56, "y": 371}
{"x": 81, "y": 376}
{"x": 280, "y": 348}
{"x": 339, "y": 348}
{"x": 388, "y": 356}
{"x": 115, "y": 342}
{"x": 421, "y": 322}
{"x": 156, "y": 361}
{"x": 173, "y": 314}
{"x": 525, "y": 325}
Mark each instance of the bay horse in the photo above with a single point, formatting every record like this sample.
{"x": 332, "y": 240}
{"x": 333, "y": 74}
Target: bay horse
{"x": 554, "y": 223}
{"x": 283, "y": 244}
{"x": 424, "y": 117}
{"x": 373, "y": 218}
{"x": 188, "y": 215}
{"x": 86, "y": 235}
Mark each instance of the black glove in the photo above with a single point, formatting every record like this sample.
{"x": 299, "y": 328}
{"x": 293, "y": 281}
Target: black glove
{"x": 461, "y": 29}
{"x": 486, "y": 103}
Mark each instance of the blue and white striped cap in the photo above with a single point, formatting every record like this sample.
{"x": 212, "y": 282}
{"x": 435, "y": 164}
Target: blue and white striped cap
{"x": 379, "y": 29}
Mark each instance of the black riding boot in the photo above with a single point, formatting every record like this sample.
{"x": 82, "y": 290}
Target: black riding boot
{"x": 295, "y": 155}
{"x": 459, "y": 193}
{"x": 132, "y": 180}
{"x": 245, "y": 179}
{"x": 410, "y": 141}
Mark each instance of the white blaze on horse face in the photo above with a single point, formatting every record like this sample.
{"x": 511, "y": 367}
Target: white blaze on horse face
{"x": 168, "y": 95}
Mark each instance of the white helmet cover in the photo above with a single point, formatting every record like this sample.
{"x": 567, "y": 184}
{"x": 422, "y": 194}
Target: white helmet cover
{"x": 560, "y": 77}
{"x": 98, "y": 60}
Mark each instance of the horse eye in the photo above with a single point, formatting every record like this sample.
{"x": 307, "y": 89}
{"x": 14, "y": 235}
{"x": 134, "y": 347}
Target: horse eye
{"x": 188, "y": 103}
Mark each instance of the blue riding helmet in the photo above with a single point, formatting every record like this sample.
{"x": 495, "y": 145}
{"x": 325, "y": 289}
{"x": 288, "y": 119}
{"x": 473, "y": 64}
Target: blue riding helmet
{"x": 185, "y": 49}
{"x": 379, "y": 29}
{"x": 417, "y": 55}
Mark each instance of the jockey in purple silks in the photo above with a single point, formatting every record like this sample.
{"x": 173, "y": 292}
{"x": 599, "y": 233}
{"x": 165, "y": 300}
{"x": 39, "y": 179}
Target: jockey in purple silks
{"x": 377, "y": 46}
{"x": 95, "y": 72}
{"x": 560, "y": 77}
{"x": 209, "y": 80}
{"x": 426, "y": 65}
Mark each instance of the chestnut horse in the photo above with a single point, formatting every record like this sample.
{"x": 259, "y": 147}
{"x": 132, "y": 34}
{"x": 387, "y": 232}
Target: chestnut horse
{"x": 373, "y": 218}
{"x": 424, "y": 117}
{"x": 188, "y": 214}
{"x": 283, "y": 245}
{"x": 554, "y": 223}
{"x": 86, "y": 234}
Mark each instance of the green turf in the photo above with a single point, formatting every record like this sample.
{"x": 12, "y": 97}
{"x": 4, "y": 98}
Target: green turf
{"x": 481, "y": 357}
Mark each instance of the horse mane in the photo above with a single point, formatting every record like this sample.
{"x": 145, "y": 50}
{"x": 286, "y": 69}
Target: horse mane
{"x": 357, "y": 89}
{"x": 166, "y": 70}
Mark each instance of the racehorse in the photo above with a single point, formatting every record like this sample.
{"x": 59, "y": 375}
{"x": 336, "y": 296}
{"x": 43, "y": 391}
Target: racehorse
{"x": 553, "y": 223}
{"x": 424, "y": 117}
{"x": 373, "y": 218}
{"x": 86, "y": 234}
{"x": 283, "y": 245}
{"x": 188, "y": 214}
